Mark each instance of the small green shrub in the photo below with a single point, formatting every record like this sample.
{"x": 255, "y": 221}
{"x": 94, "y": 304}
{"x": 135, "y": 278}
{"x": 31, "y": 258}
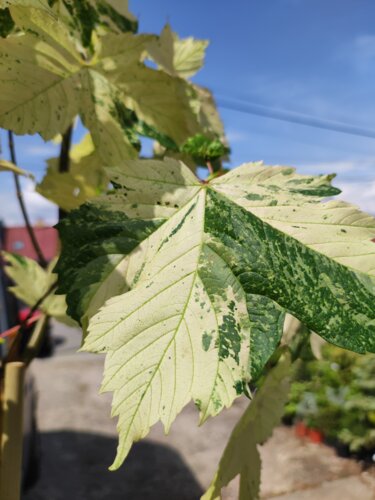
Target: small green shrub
{"x": 337, "y": 396}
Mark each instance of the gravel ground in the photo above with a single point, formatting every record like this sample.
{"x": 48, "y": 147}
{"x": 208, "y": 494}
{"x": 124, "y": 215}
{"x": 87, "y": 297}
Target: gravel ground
{"x": 78, "y": 440}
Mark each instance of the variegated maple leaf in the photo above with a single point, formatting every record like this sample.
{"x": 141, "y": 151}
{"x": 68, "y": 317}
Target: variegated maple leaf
{"x": 185, "y": 284}
{"x": 102, "y": 84}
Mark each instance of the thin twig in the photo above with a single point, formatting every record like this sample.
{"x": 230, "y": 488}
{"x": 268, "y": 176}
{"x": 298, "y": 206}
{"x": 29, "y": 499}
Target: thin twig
{"x": 36, "y": 340}
{"x": 64, "y": 159}
{"x": 210, "y": 167}
{"x": 36, "y": 306}
{"x": 21, "y": 202}
{"x": 14, "y": 354}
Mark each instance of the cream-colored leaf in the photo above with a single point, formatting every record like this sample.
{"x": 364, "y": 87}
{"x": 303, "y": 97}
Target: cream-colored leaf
{"x": 188, "y": 56}
{"x": 56, "y": 73}
{"x": 160, "y": 100}
{"x": 122, "y": 6}
{"x": 169, "y": 337}
{"x": 162, "y": 50}
{"x": 46, "y": 26}
{"x": 7, "y": 166}
{"x": 100, "y": 116}
{"x": 241, "y": 455}
{"x": 292, "y": 327}
{"x": 179, "y": 57}
{"x": 141, "y": 194}
{"x": 199, "y": 284}
{"x": 96, "y": 17}
{"x": 316, "y": 344}
{"x": 334, "y": 228}
{"x": 86, "y": 178}
{"x": 32, "y": 282}
{"x": 207, "y": 112}
{"x": 97, "y": 87}
{"x": 38, "y": 4}
{"x": 51, "y": 77}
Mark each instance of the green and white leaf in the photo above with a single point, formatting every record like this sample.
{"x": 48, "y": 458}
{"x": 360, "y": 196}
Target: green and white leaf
{"x": 32, "y": 282}
{"x": 241, "y": 455}
{"x": 291, "y": 204}
{"x": 121, "y": 7}
{"x": 37, "y": 4}
{"x": 200, "y": 276}
{"x": 63, "y": 80}
{"x": 160, "y": 100}
{"x": 86, "y": 178}
{"x": 6, "y": 23}
{"x": 207, "y": 112}
{"x": 179, "y": 57}
{"x": 8, "y": 166}
{"x": 88, "y": 17}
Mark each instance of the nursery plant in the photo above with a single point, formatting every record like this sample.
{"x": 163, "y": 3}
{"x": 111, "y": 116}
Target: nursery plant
{"x": 336, "y": 395}
{"x": 184, "y": 283}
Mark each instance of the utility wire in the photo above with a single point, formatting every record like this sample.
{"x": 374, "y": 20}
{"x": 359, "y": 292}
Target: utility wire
{"x": 292, "y": 117}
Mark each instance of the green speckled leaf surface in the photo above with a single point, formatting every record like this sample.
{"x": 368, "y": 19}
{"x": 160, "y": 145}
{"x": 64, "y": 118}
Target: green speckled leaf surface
{"x": 38, "y": 4}
{"x": 64, "y": 79}
{"x": 185, "y": 284}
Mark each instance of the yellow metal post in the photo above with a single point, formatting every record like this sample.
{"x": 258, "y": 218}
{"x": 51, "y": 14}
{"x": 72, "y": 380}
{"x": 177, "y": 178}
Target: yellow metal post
{"x": 12, "y": 432}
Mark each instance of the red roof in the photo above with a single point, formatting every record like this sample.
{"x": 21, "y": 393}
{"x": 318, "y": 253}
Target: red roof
{"x": 17, "y": 240}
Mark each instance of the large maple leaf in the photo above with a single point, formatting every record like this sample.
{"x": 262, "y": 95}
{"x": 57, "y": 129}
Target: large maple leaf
{"x": 184, "y": 284}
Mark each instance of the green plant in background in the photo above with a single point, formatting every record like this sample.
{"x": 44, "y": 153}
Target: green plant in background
{"x": 183, "y": 284}
{"x": 204, "y": 150}
{"x": 336, "y": 394}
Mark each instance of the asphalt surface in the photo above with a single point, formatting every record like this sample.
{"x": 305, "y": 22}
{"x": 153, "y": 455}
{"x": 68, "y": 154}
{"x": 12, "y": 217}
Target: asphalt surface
{"x": 78, "y": 440}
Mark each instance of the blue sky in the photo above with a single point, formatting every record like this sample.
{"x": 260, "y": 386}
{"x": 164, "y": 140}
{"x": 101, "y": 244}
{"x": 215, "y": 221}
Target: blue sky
{"x": 315, "y": 57}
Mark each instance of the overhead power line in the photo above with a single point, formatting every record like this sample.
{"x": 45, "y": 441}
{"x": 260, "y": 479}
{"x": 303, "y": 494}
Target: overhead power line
{"x": 292, "y": 117}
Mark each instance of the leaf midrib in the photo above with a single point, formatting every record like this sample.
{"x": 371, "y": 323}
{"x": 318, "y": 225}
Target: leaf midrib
{"x": 172, "y": 338}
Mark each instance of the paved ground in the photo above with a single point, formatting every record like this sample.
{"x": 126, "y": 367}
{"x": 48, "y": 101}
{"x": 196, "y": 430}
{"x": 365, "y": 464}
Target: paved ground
{"x": 79, "y": 442}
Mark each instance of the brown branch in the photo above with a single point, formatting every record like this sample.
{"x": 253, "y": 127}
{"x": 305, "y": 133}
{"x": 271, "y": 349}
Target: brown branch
{"x": 35, "y": 342}
{"x": 210, "y": 167}
{"x": 64, "y": 159}
{"x": 21, "y": 202}
{"x": 18, "y": 344}
{"x": 36, "y": 306}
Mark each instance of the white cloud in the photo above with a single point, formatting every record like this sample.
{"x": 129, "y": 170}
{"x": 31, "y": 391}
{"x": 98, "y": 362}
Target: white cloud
{"x": 354, "y": 170}
{"x": 39, "y": 208}
{"x": 333, "y": 166}
{"x": 361, "y": 194}
{"x": 355, "y": 178}
{"x": 236, "y": 136}
{"x": 360, "y": 53}
{"x": 46, "y": 150}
